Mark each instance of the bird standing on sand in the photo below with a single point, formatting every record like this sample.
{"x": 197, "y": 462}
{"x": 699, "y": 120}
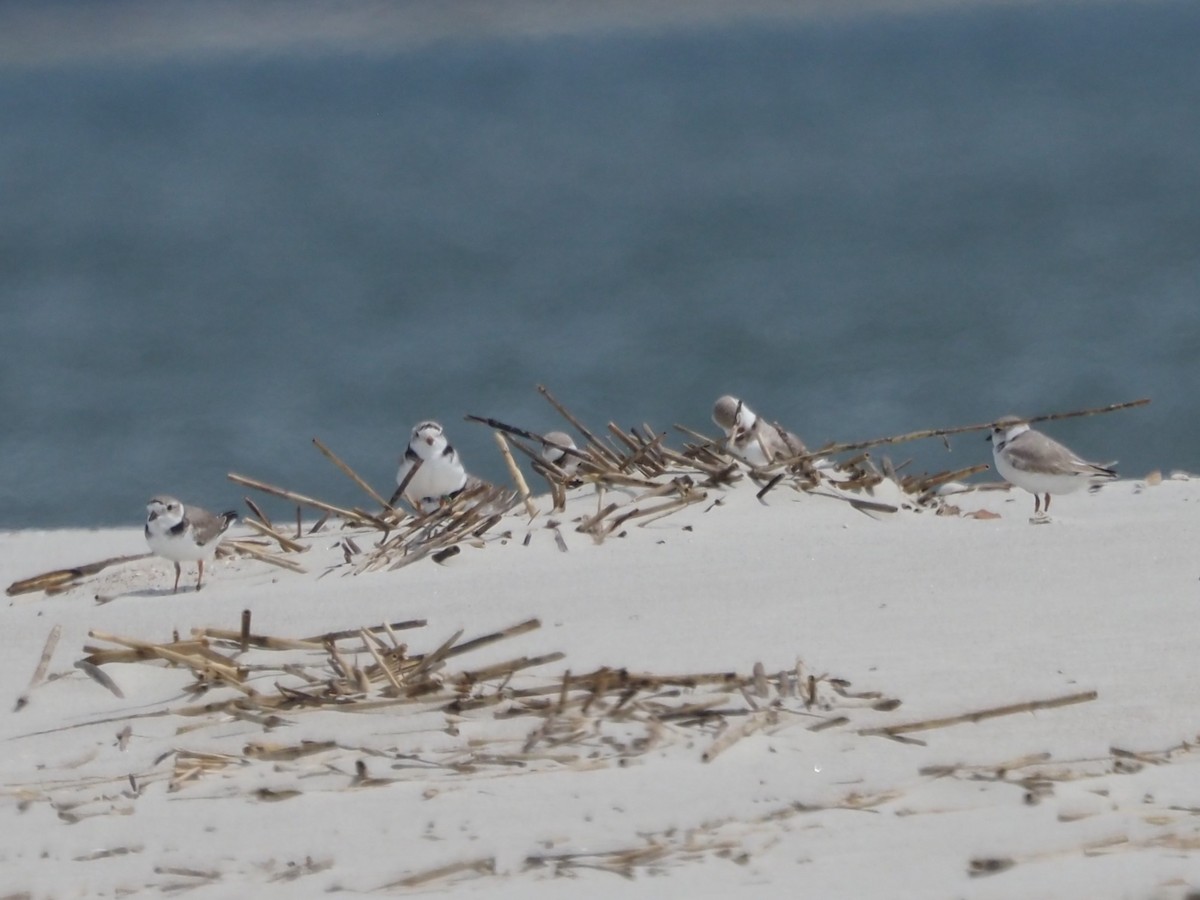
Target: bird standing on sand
{"x": 751, "y": 439}
{"x": 439, "y": 474}
{"x": 1040, "y": 464}
{"x": 179, "y": 533}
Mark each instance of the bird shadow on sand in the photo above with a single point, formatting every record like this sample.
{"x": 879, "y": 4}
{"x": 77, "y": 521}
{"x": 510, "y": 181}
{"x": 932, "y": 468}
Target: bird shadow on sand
{"x": 157, "y": 593}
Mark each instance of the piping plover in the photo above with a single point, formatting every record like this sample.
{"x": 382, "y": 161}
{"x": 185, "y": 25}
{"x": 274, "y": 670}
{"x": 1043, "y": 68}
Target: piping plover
{"x": 178, "y": 533}
{"x": 555, "y": 445}
{"x": 751, "y": 439}
{"x": 1039, "y": 464}
{"x": 440, "y": 476}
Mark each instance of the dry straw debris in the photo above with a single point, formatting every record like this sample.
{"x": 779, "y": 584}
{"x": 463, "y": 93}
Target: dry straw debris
{"x": 506, "y": 718}
{"x": 637, "y": 479}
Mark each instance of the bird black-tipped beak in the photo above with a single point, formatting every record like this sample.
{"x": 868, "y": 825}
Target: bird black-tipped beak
{"x": 153, "y": 516}
{"x": 989, "y": 436}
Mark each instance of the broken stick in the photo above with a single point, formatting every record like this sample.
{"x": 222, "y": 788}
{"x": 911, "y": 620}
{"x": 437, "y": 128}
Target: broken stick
{"x": 980, "y": 715}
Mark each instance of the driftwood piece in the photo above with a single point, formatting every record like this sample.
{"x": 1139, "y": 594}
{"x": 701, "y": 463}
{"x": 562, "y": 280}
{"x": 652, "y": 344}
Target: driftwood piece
{"x": 60, "y": 578}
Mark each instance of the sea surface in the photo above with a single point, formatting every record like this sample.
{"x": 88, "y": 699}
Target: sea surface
{"x": 861, "y": 226}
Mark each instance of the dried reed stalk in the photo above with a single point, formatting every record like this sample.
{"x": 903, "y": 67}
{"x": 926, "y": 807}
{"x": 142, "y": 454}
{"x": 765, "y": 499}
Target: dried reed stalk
{"x": 209, "y": 663}
{"x": 483, "y": 866}
{"x": 509, "y": 667}
{"x": 286, "y": 543}
{"x": 465, "y": 518}
{"x": 719, "y": 469}
{"x": 303, "y": 500}
{"x": 766, "y": 488}
{"x": 926, "y": 483}
{"x": 640, "y": 451}
{"x": 382, "y": 663}
{"x": 979, "y": 715}
{"x": 403, "y": 485}
{"x": 266, "y": 642}
{"x": 1095, "y": 411}
{"x": 287, "y": 752}
{"x": 655, "y": 513}
{"x": 377, "y": 522}
{"x": 61, "y": 578}
{"x": 945, "y": 432}
{"x": 522, "y": 487}
{"x": 601, "y": 450}
{"x": 514, "y": 431}
{"x": 351, "y": 474}
{"x": 248, "y": 549}
{"x": 505, "y": 633}
{"x": 254, "y": 508}
{"x": 731, "y": 736}
{"x": 589, "y": 523}
{"x": 101, "y": 655}
{"x": 426, "y": 663}
{"x": 387, "y": 627}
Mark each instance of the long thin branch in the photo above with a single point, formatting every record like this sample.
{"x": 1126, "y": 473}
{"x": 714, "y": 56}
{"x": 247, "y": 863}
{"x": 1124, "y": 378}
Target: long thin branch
{"x": 944, "y": 432}
{"x": 351, "y": 474}
{"x": 303, "y": 500}
{"x": 980, "y": 715}
{"x": 601, "y": 450}
{"x": 515, "y": 472}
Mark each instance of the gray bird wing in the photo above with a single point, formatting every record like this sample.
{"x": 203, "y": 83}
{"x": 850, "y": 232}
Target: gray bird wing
{"x": 472, "y": 483}
{"x": 777, "y": 442}
{"x": 1032, "y": 451}
{"x": 205, "y": 526}
{"x": 791, "y": 442}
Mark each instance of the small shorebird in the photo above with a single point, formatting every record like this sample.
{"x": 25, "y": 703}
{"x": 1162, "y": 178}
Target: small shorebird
{"x": 178, "y": 533}
{"x": 439, "y": 473}
{"x": 555, "y": 445}
{"x": 751, "y": 439}
{"x": 1039, "y": 464}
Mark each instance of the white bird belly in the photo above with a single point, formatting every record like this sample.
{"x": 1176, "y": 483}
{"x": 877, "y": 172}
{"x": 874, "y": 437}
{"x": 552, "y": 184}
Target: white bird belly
{"x": 1040, "y": 482}
{"x": 434, "y": 479}
{"x": 180, "y": 547}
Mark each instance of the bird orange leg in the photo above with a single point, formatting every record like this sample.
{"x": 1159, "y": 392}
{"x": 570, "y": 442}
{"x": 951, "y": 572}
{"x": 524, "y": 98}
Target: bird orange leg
{"x": 1047, "y": 505}
{"x": 178, "y": 569}
{"x": 199, "y": 577}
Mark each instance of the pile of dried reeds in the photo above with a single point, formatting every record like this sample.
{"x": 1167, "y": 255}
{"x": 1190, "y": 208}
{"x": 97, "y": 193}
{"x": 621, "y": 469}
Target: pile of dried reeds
{"x": 604, "y": 714}
{"x": 637, "y": 478}
{"x": 367, "y": 670}
{"x": 416, "y": 717}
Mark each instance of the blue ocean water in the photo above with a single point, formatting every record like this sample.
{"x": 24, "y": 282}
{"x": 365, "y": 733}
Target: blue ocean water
{"x": 861, "y": 227}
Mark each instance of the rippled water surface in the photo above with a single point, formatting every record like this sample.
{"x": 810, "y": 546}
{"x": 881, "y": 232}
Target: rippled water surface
{"x": 862, "y": 228}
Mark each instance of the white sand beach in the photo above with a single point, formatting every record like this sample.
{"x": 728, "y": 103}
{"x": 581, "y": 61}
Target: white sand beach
{"x": 754, "y": 788}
